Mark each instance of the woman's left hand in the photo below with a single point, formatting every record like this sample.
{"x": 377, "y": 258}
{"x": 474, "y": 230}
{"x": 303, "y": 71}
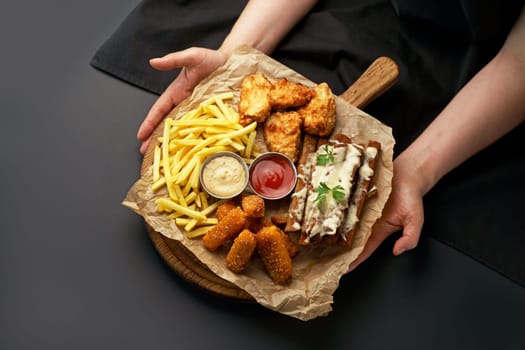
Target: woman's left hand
{"x": 403, "y": 211}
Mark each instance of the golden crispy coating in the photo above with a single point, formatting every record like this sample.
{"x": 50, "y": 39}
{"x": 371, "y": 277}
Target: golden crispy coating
{"x": 282, "y": 133}
{"x": 319, "y": 114}
{"x": 254, "y": 103}
{"x": 253, "y": 206}
{"x": 286, "y": 94}
{"x": 241, "y": 251}
{"x": 229, "y": 227}
{"x": 245, "y": 120}
{"x": 224, "y": 208}
{"x": 280, "y": 219}
{"x": 271, "y": 247}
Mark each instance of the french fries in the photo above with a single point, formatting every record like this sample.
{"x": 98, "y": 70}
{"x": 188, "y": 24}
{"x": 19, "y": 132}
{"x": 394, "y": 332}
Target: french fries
{"x": 184, "y": 145}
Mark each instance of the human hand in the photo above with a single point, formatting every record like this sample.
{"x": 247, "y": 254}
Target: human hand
{"x": 197, "y": 63}
{"x": 403, "y": 211}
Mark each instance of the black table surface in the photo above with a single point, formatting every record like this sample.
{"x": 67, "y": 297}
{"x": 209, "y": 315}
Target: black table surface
{"x": 78, "y": 270}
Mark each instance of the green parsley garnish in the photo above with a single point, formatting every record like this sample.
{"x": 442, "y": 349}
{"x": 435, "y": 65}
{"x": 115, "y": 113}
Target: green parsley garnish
{"x": 326, "y": 157}
{"x": 323, "y": 190}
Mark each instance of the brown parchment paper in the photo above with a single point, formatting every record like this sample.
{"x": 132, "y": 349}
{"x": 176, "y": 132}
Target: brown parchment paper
{"x": 317, "y": 271}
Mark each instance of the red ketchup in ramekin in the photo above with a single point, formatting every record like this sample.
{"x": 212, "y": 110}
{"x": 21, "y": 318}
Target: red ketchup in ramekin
{"x": 272, "y": 175}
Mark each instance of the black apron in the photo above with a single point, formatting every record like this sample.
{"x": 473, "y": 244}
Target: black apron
{"x": 438, "y": 45}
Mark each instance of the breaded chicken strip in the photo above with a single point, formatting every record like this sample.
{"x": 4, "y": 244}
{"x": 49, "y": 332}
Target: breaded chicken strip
{"x": 224, "y": 208}
{"x": 282, "y": 133}
{"x": 254, "y": 104}
{"x": 272, "y": 249}
{"x": 286, "y": 94}
{"x": 319, "y": 114}
{"x": 241, "y": 251}
{"x": 227, "y": 228}
{"x": 253, "y": 206}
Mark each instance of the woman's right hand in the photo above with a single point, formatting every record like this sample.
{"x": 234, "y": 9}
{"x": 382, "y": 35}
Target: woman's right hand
{"x": 196, "y": 63}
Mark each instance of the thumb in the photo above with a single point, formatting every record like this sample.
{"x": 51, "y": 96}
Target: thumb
{"x": 410, "y": 236}
{"x": 178, "y": 59}
{"x": 165, "y": 63}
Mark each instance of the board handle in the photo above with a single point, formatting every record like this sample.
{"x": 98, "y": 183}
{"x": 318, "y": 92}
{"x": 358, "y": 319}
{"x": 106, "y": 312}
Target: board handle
{"x": 375, "y": 80}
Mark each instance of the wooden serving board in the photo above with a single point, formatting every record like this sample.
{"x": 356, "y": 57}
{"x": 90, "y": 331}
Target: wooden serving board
{"x": 377, "y": 78}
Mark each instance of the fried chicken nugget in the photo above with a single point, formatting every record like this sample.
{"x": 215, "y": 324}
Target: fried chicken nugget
{"x": 254, "y": 103}
{"x": 224, "y": 208}
{"x": 319, "y": 114}
{"x": 272, "y": 249}
{"x": 229, "y": 227}
{"x": 286, "y": 94}
{"x": 241, "y": 251}
{"x": 282, "y": 133}
{"x": 253, "y": 206}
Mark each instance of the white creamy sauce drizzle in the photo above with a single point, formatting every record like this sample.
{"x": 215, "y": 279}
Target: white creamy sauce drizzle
{"x": 365, "y": 174}
{"x": 351, "y": 220}
{"x": 312, "y": 213}
{"x": 342, "y": 176}
{"x": 325, "y": 219}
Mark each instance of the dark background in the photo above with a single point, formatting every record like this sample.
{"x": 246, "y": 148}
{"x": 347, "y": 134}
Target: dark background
{"x": 77, "y": 269}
